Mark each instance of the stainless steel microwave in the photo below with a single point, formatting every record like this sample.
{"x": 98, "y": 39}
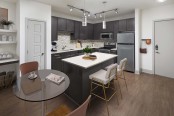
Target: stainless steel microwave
{"x": 106, "y": 36}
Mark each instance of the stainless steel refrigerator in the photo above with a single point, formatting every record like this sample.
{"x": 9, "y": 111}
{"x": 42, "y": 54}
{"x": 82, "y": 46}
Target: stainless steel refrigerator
{"x": 126, "y": 49}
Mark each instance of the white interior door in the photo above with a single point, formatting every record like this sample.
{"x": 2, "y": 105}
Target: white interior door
{"x": 164, "y": 46}
{"x": 36, "y": 42}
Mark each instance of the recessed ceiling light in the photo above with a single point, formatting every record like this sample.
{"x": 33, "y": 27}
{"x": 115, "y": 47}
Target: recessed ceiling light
{"x": 161, "y": 0}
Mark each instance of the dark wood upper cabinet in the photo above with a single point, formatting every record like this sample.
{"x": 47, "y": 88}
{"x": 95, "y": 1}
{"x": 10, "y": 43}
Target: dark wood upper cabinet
{"x": 122, "y": 25}
{"x": 70, "y": 25}
{"x": 62, "y": 24}
{"x": 90, "y": 32}
{"x": 54, "y": 31}
{"x": 97, "y": 30}
{"x": 109, "y": 27}
{"x": 83, "y": 32}
{"x": 116, "y": 29}
{"x": 131, "y": 24}
{"x": 76, "y": 30}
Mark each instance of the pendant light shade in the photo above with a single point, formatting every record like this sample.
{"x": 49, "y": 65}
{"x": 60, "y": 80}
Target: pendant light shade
{"x": 104, "y": 24}
{"x": 84, "y": 21}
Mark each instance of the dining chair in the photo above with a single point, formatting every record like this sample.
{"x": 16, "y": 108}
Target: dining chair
{"x": 28, "y": 67}
{"x": 65, "y": 111}
{"x": 81, "y": 110}
{"x": 103, "y": 78}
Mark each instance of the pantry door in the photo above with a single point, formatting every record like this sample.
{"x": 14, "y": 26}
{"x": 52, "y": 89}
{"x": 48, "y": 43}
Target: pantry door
{"x": 36, "y": 42}
{"x": 164, "y": 46}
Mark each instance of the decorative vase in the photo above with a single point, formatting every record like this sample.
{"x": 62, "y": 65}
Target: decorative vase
{"x": 6, "y": 26}
{"x": 87, "y": 54}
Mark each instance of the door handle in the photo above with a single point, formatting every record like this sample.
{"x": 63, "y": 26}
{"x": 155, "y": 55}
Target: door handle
{"x": 42, "y": 54}
{"x": 156, "y": 47}
{"x": 157, "y": 52}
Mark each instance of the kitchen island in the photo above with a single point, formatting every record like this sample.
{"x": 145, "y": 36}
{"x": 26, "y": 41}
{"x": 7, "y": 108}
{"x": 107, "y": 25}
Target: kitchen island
{"x": 78, "y": 71}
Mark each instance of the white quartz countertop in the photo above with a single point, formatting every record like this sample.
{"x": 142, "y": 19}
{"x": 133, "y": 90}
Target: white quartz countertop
{"x": 79, "y": 61}
{"x": 69, "y": 50}
{"x": 8, "y": 60}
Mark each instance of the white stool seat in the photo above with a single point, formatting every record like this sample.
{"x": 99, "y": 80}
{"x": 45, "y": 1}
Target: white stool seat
{"x": 99, "y": 76}
{"x": 119, "y": 71}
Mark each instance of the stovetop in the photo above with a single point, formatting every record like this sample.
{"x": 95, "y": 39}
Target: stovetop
{"x": 107, "y": 48}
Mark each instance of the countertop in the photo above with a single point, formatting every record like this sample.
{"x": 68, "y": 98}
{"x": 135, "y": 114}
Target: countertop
{"x": 7, "y": 61}
{"x": 69, "y": 50}
{"x": 79, "y": 61}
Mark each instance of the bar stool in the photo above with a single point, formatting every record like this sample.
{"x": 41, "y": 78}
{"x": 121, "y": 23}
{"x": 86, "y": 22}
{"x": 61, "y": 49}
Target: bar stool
{"x": 103, "y": 78}
{"x": 120, "y": 70}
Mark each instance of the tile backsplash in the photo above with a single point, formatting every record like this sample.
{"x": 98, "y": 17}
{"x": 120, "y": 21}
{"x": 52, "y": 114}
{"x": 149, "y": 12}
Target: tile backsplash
{"x": 65, "y": 40}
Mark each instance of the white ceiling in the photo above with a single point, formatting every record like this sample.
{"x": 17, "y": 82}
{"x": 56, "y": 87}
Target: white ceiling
{"x": 94, "y": 6}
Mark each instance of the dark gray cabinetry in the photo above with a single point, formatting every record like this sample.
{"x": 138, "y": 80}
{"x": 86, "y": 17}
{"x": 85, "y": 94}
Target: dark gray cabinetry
{"x": 56, "y": 62}
{"x": 54, "y": 31}
{"x": 83, "y": 32}
{"x": 90, "y": 32}
{"x": 76, "y": 30}
{"x": 116, "y": 29}
{"x": 127, "y": 25}
{"x": 70, "y": 26}
{"x": 131, "y": 24}
{"x": 62, "y": 24}
{"x": 109, "y": 27}
{"x": 97, "y": 30}
{"x": 122, "y": 25}
{"x": 79, "y": 88}
{"x": 114, "y": 52}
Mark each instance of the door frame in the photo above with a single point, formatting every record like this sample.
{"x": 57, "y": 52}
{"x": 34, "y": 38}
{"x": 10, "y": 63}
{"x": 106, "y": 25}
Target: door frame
{"x": 26, "y": 36}
{"x": 153, "y": 42}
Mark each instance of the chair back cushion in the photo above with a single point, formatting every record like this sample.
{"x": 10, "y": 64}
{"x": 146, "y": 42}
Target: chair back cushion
{"x": 122, "y": 64}
{"x": 111, "y": 71}
{"x": 28, "y": 67}
{"x": 81, "y": 110}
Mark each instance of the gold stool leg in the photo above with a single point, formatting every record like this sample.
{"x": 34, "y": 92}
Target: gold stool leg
{"x": 125, "y": 80}
{"x": 119, "y": 88}
{"x": 90, "y": 94}
{"x": 105, "y": 98}
{"x": 116, "y": 92}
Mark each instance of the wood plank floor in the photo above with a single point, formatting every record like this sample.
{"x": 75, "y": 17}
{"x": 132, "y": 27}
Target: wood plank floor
{"x": 147, "y": 95}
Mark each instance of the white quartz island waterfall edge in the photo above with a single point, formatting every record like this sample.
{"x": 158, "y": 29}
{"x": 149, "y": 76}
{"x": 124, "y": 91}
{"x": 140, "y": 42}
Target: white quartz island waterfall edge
{"x": 79, "y": 61}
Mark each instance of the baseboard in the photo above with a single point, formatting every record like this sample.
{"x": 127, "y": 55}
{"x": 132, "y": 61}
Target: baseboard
{"x": 147, "y": 71}
{"x": 137, "y": 72}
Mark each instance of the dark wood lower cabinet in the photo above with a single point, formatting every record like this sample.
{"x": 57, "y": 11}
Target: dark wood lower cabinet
{"x": 56, "y": 62}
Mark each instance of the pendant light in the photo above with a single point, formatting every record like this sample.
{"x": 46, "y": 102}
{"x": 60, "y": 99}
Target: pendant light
{"x": 104, "y": 21}
{"x": 84, "y": 21}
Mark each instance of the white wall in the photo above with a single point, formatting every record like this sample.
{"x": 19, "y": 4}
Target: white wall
{"x": 137, "y": 39}
{"x": 38, "y": 11}
{"x": 148, "y": 18}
